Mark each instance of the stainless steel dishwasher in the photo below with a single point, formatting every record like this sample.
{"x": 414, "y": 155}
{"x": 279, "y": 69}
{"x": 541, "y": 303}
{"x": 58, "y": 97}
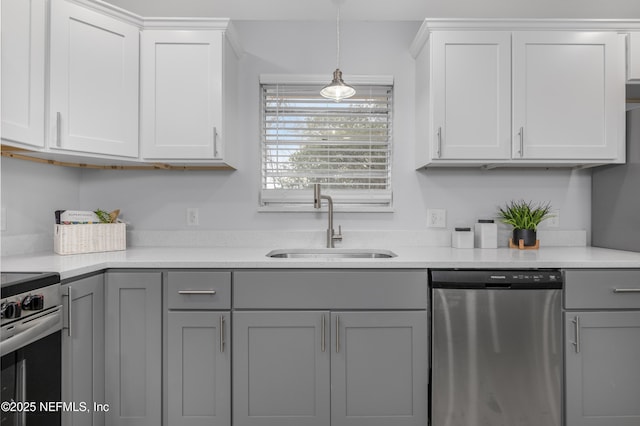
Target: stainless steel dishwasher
{"x": 496, "y": 348}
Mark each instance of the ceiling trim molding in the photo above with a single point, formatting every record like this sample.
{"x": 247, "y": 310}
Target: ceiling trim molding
{"x": 525, "y": 24}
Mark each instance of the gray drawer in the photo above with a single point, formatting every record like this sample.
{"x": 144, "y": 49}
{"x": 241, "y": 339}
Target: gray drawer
{"x": 602, "y": 289}
{"x": 330, "y": 289}
{"x": 199, "y": 290}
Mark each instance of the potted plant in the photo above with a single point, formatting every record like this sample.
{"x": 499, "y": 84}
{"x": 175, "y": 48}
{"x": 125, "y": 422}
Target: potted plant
{"x": 524, "y": 216}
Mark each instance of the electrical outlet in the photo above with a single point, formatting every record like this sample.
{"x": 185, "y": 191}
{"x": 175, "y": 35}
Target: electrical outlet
{"x": 554, "y": 220}
{"x": 436, "y": 218}
{"x": 193, "y": 217}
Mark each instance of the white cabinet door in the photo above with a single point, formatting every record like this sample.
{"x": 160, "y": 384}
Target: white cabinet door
{"x": 471, "y": 95}
{"x": 633, "y": 60}
{"x": 94, "y": 82}
{"x": 602, "y": 350}
{"x": 23, "y": 71}
{"x": 568, "y": 95}
{"x": 181, "y": 94}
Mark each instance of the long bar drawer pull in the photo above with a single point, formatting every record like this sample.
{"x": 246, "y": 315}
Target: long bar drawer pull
{"x": 337, "y": 334}
{"x": 58, "y": 130}
{"x": 69, "y": 312}
{"x": 521, "y": 134}
{"x": 576, "y": 323}
{"x": 626, "y": 290}
{"x": 215, "y": 142}
{"x": 211, "y": 292}
{"x": 222, "y": 342}
{"x": 323, "y": 343}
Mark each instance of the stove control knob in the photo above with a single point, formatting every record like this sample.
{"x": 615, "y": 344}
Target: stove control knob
{"x": 10, "y": 310}
{"x": 33, "y": 302}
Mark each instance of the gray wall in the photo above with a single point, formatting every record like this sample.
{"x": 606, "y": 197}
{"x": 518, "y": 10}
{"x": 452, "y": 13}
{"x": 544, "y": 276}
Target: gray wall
{"x": 152, "y": 200}
{"x": 30, "y": 193}
{"x": 616, "y": 207}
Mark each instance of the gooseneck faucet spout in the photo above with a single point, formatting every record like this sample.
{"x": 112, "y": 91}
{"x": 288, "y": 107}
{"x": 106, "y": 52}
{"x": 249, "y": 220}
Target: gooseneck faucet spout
{"x": 317, "y": 203}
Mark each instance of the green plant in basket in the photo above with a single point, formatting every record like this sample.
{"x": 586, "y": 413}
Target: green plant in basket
{"x": 103, "y": 216}
{"x": 106, "y": 217}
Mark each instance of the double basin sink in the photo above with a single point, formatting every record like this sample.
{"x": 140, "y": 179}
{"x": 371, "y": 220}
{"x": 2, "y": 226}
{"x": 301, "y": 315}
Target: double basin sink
{"x": 332, "y": 253}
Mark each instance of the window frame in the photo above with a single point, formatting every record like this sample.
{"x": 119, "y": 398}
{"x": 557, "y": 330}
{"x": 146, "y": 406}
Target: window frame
{"x": 301, "y": 200}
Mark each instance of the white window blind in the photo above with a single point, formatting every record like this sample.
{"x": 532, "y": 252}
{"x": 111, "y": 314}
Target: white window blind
{"x": 345, "y": 146}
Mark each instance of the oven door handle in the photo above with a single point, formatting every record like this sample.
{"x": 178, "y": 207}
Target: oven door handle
{"x": 32, "y": 330}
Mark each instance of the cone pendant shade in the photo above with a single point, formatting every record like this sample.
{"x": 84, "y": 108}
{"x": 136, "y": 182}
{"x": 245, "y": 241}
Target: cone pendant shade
{"x": 337, "y": 89}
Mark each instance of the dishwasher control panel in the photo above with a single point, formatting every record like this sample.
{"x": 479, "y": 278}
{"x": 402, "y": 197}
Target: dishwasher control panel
{"x": 484, "y": 278}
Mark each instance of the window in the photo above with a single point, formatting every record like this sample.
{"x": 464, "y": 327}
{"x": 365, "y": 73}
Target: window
{"x": 345, "y": 146}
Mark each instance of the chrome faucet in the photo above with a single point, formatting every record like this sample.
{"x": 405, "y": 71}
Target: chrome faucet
{"x": 317, "y": 203}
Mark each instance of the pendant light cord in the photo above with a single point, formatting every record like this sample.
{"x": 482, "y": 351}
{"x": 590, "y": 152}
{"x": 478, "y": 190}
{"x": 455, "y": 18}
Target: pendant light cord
{"x": 338, "y": 38}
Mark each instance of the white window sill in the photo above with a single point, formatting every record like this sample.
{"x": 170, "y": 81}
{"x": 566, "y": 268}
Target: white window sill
{"x": 336, "y": 209}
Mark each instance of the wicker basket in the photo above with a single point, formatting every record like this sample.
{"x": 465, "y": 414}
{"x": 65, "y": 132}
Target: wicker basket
{"x": 90, "y": 238}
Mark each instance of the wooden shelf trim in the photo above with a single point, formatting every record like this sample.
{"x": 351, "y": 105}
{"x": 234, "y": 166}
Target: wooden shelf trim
{"x": 12, "y": 152}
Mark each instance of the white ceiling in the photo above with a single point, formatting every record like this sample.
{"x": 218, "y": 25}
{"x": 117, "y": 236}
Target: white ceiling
{"x": 387, "y": 10}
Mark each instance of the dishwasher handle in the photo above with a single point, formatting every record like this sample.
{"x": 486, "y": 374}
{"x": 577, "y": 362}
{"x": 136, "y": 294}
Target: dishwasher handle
{"x": 497, "y": 286}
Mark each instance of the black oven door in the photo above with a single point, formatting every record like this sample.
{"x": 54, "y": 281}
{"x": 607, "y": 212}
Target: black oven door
{"x": 31, "y": 376}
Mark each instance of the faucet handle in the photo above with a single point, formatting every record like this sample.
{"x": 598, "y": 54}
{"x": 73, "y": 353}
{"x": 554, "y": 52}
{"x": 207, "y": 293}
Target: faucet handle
{"x": 338, "y": 236}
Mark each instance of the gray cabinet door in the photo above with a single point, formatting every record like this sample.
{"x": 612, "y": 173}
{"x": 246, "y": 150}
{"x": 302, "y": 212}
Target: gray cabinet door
{"x": 602, "y": 352}
{"x": 379, "y": 368}
{"x": 198, "y": 368}
{"x": 281, "y": 368}
{"x": 83, "y": 350}
{"x": 133, "y": 356}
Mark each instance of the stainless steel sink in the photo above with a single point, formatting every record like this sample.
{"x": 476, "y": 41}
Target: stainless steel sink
{"x": 332, "y": 253}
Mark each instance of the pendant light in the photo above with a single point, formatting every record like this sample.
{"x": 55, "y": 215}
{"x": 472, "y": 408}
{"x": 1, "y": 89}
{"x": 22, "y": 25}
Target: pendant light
{"x": 337, "y": 89}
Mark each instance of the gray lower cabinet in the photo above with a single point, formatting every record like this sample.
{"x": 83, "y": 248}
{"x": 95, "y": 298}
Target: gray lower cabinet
{"x": 317, "y": 368}
{"x": 83, "y": 350}
{"x": 602, "y": 368}
{"x": 379, "y": 366}
{"x": 133, "y": 341}
{"x": 198, "y": 368}
{"x": 602, "y": 347}
{"x": 281, "y": 368}
{"x": 198, "y": 349}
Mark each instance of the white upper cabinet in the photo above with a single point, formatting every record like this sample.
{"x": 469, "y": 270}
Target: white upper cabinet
{"x": 471, "y": 95}
{"x": 187, "y": 94}
{"x": 568, "y": 95}
{"x": 524, "y": 93}
{"x": 93, "y": 82}
{"x": 633, "y": 60}
{"x": 23, "y": 71}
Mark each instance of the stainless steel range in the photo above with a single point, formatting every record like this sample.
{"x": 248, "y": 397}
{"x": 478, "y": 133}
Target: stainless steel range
{"x": 30, "y": 345}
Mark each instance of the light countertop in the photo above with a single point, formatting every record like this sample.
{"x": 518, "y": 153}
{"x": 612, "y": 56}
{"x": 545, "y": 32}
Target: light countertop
{"x": 70, "y": 266}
